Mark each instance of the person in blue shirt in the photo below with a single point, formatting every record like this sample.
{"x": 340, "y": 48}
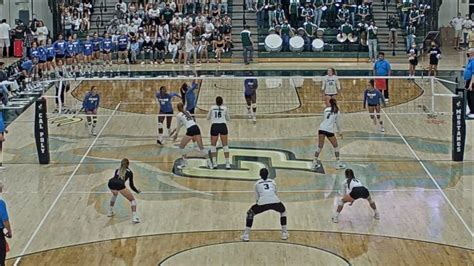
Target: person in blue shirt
{"x": 123, "y": 45}
{"x": 250, "y": 94}
{"x": 91, "y": 105}
{"x": 97, "y": 43}
{"x": 70, "y": 52}
{"x": 468, "y": 72}
{"x": 166, "y": 111}
{"x": 77, "y": 48}
{"x": 382, "y": 68}
{"x": 188, "y": 97}
{"x": 50, "y": 55}
{"x": 4, "y": 225}
{"x": 107, "y": 46}
{"x": 3, "y": 129}
{"x": 373, "y": 98}
{"x": 42, "y": 57}
{"x": 60, "y": 48}
{"x": 87, "y": 50}
{"x": 34, "y": 57}
{"x": 26, "y": 67}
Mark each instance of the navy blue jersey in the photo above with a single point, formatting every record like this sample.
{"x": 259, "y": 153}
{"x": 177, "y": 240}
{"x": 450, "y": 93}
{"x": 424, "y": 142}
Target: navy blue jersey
{"x": 70, "y": 49}
{"x": 372, "y": 97}
{"x": 250, "y": 86}
{"x": 34, "y": 53}
{"x": 2, "y": 123}
{"x": 122, "y": 42}
{"x": 87, "y": 48}
{"x": 91, "y": 102}
{"x": 107, "y": 44}
{"x": 165, "y": 102}
{"x": 77, "y": 46}
{"x": 96, "y": 43}
{"x": 60, "y": 47}
{"x": 42, "y": 54}
{"x": 50, "y": 51}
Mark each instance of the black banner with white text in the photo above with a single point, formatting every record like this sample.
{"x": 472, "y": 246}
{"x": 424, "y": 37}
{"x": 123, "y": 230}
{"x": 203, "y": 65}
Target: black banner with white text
{"x": 41, "y": 131}
{"x": 459, "y": 126}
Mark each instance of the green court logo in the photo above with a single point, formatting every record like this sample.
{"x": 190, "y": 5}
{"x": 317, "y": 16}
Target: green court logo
{"x": 246, "y": 164}
{"x": 65, "y": 120}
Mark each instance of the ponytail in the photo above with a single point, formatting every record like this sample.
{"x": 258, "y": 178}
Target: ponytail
{"x": 123, "y": 168}
{"x": 334, "y": 107}
{"x": 349, "y": 176}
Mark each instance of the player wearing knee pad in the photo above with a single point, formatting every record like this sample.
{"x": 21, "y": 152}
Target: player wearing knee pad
{"x": 91, "y": 105}
{"x": 373, "y": 98}
{"x": 219, "y": 116}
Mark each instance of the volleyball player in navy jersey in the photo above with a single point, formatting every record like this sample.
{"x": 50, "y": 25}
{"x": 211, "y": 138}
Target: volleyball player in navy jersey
{"x": 107, "y": 46}
{"x": 3, "y": 129}
{"x": 42, "y": 58}
{"x": 373, "y": 98}
{"x": 60, "y": 48}
{"x": 250, "y": 94}
{"x": 87, "y": 51}
{"x": 166, "y": 111}
{"x": 122, "y": 47}
{"x": 77, "y": 46}
{"x": 34, "y": 56}
{"x": 96, "y": 44}
{"x": 51, "y": 54}
{"x": 70, "y": 53}
{"x": 91, "y": 105}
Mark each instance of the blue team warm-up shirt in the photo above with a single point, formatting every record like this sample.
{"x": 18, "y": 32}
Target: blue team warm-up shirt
{"x": 70, "y": 51}
{"x": 107, "y": 44}
{"x": 122, "y": 42}
{"x": 42, "y": 54}
{"x": 87, "y": 49}
{"x": 60, "y": 47}
{"x": 97, "y": 43}
{"x": 165, "y": 102}
{"x": 372, "y": 97}
{"x": 250, "y": 85}
{"x": 2, "y": 123}
{"x": 51, "y": 53}
{"x": 91, "y": 102}
{"x": 3, "y": 213}
{"x": 191, "y": 97}
{"x": 34, "y": 53}
{"x": 77, "y": 46}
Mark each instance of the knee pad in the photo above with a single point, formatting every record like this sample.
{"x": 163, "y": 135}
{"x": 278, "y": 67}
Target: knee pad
{"x": 160, "y": 125}
{"x": 113, "y": 199}
{"x": 372, "y": 116}
{"x": 283, "y": 214}
{"x": 340, "y": 202}
{"x": 336, "y": 149}
{"x": 378, "y": 115}
{"x": 213, "y": 149}
{"x": 133, "y": 203}
{"x": 250, "y": 214}
{"x": 318, "y": 150}
{"x": 226, "y": 148}
{"x": 254, "y": 105}
{"x": 94, "y": 119}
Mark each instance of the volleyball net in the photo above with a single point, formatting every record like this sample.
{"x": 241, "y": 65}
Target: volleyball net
{"x": 287, "y": 107}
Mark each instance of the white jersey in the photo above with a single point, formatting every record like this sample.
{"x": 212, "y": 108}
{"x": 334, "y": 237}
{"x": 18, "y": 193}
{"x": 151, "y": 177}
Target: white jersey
{"x": 330, "y": 120}
{"x": 265, "y": 190}
{"x": 185, "y": 120}
{"x": 331, "y": 85}
{"x": 218, "y": 115}
{"x": 354, "y": 183}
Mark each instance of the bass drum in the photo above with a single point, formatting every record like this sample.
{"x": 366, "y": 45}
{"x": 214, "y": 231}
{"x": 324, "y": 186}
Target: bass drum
{"x": 352, "y": 38}
{"x": 318, "y": 45}
{"x": 273, "y": 43}
{"x": 296, "y": 44}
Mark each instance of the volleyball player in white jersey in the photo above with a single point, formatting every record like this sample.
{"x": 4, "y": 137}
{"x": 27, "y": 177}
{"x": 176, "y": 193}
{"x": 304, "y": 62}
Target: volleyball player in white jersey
{"x": 219, "y": 116}
{"x": 331, "y": 119}
{"x": 265, "y": 191}
{"x": 353, "y": 189}
{"x": 193, "y": 133}
{"x": 331, "y": 85}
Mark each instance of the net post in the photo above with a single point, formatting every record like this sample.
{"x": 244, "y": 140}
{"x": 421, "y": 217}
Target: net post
{"x": 458, "y": 125}
{"x": 41, "y": 131}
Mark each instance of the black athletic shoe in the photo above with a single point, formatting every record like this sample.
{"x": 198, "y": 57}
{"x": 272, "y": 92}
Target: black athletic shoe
{"x": 159, "y": 142}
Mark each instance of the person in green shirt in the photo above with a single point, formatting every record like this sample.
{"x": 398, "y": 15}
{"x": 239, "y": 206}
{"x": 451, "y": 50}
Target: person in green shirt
{"x": 247, "y": 44}
{"x": 293, "y": 12}
{"x": 372, "y": 41}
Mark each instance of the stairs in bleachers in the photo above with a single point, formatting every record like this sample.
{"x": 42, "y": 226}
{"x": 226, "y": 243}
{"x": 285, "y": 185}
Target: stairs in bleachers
{"x": 239, "y": 16}
{"x": 380, "y": 18}
{"x": 100, "y": 20}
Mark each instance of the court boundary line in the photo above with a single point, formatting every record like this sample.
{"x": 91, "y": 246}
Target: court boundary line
{"x": 430, "y": 176}
{"x": 56, "y": 200}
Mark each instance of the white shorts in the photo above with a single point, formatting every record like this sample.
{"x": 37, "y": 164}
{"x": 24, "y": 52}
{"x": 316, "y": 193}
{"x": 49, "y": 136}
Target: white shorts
{"x": 457, "y": 33}
{"x": 4, "y": 43}
{"x": 190, "y": 50}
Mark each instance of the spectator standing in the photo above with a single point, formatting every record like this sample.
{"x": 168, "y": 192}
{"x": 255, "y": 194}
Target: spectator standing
{"x": 457, "y": 23}
{"x": 42, "y": 32}
{"x": 383, "y": 68}
{"x": 372, "y": 41}
{"x": 189, "y": 46}
{"x": 468, "y": 73}
{"x": 4, "y": 37}
{"x": 4, "y": 225}
{"x": 411, "y": 30}
{"x": 247, "y": 44}
{"x": 160, "y": 51}
{"x": 466, "y": 28}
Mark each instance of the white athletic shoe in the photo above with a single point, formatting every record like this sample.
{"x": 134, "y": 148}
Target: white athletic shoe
{"x": 136, "y": 219}
{"x": 377, "y": 216}
{"x": 249, "y": 114}
{"x": 214, "y": 166}
{"x": 382, "y": 129}
{"x": 316, "y": 165}
{"x": 340, "y": 165}
{"x": 245, "y": 237}
{"x": 227, "y": 166}
{"x": 110, "y": 213}
{"x": 2, "y": 168}
{"x": 284, "y": 235}
{"x": 93, "y": 133}
{"x": 335, "y": 219}
{"x": 254, "y": 118}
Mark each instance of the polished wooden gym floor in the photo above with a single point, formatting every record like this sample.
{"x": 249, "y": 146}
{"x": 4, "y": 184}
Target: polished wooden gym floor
{"x": 195, "y": 217}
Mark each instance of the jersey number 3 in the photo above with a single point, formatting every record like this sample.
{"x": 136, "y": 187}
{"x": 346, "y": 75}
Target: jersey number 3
{"x": 266, "y": 186}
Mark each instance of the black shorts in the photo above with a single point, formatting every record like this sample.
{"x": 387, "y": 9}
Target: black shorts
{"x": 414, "y": 62}
{"x": 106, "y": 52}
{"x": 278, "y": 207}
{"x": 193, "y": 131}
{"x": 50, "y": 59}
{"x": 122, "y": 49}
{"x": 219, "y": 129}
{"x": 330, "y": 95}
{"x": 373, "y": 105}
{"x": 116, "y": 184}
{"x": 60, "y": 56}
{"x": 325, "y": 133}
{"x": 69, "y": 56}
{"x": 191, "y": 111}
{"x": 249, "y": 96}
{"x": 41, "y": 62}
{"x": 434, "y": 61}
{"x": 359, "y": 192}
